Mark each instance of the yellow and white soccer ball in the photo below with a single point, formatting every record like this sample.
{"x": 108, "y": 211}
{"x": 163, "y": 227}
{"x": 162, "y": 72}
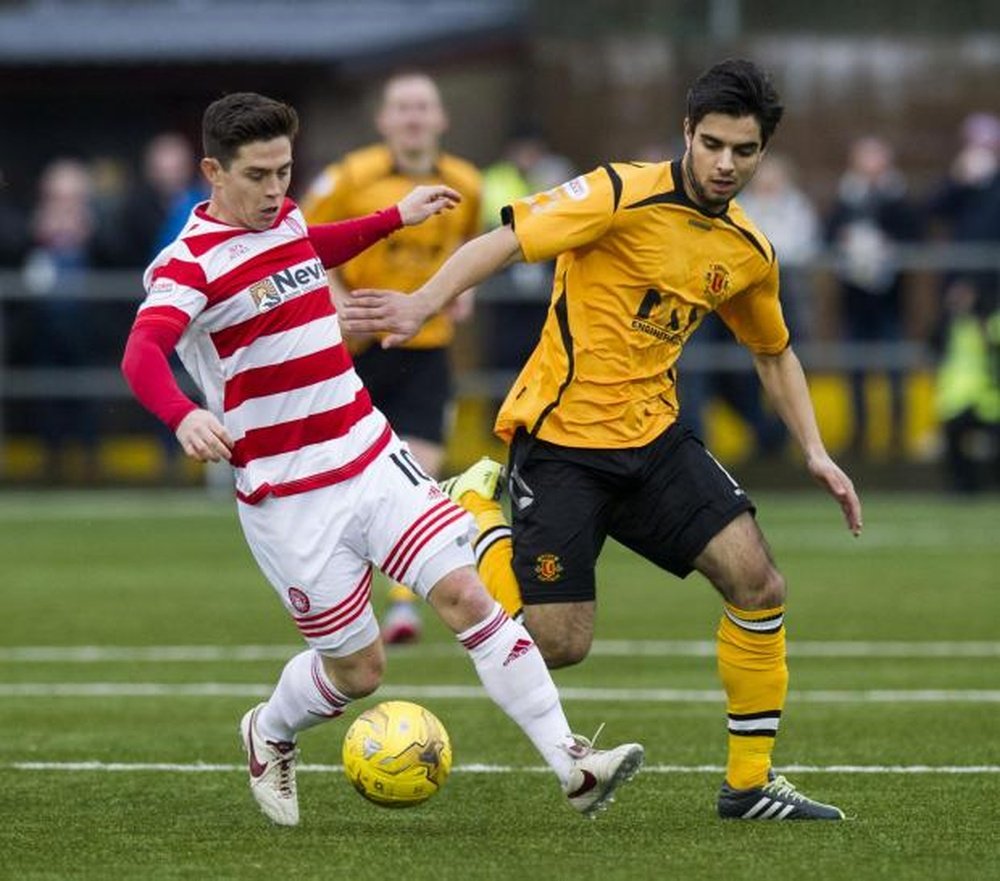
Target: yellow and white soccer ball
{"x": 397, "y": 754}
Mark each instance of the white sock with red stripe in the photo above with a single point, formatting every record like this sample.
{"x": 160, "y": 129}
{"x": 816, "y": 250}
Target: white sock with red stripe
{"x": 303, "y": 697}
{"x": 515, "y": 676}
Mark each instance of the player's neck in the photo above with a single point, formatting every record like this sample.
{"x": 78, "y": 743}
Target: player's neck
{"x": 416, "y": 164}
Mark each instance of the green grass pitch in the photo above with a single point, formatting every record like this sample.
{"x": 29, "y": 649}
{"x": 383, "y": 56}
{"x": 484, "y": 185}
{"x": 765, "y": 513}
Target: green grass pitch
{"x": 136, "y": 630}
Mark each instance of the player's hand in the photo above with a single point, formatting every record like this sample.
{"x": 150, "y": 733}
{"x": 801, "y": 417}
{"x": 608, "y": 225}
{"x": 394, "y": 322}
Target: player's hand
{"x": 203, "y": 437}
{"x": 426, "y": 201}
{"x": 829, "y": 475}
{"x": 398, "y": 315}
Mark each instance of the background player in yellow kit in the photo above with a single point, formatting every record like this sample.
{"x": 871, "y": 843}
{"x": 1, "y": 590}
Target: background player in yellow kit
{"x": 644, "y": 251}
{"x": 412, "y": 384}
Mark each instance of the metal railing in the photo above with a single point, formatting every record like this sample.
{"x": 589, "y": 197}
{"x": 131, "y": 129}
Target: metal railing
{"x": 100, "y": 381}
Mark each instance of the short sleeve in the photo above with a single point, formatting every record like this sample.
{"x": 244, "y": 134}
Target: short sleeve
{"x": 569, "y": 216}
{"x": 755, "y": 318}
{"x": 174, "y": 293}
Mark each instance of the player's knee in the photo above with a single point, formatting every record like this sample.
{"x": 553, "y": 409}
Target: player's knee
{"x": 562, "y": 654}
{"x": 559, "y": 648}
{"x": 763, "y": 589}
{"x": 356, "y": 677}
{"x": 460, "y": 599}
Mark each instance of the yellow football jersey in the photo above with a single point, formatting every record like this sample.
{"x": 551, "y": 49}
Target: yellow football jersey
{"x": 639, "y": 266}
{"x": 366, "y": 181}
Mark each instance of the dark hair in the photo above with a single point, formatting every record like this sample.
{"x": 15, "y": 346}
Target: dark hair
{"x": 242, "y": 118}
{"x": 736, "y": 87}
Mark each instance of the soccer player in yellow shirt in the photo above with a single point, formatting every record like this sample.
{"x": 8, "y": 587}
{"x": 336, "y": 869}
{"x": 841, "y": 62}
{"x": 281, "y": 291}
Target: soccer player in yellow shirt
{"x": 644, "y": 251}
{"x": 411, "y": 384}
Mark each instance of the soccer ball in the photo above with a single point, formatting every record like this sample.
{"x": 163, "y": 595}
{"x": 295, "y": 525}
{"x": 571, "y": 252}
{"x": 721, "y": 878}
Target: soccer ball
{"x": 397, "y": 754}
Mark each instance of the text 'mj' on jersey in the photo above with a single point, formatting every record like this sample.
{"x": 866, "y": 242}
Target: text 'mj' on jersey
{"x": 638, "y": 267}
{"x": 262, "y": 342}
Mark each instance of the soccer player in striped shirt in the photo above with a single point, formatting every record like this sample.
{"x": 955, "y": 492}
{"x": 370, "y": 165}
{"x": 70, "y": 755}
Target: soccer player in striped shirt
{"x": 644, "y": 251}
{"x": 325, "y": 489}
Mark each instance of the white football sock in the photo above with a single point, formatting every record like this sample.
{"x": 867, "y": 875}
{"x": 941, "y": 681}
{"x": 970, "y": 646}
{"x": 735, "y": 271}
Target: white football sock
{"x": 515, "y": 676}
{"x": 303, "y": 697}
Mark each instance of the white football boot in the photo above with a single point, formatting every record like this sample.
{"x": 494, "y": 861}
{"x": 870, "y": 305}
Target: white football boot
{"x": 597, "y": 773}
{"x": 272, "y": 772}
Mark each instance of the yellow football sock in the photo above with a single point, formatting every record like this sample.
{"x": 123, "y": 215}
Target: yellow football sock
{"x": 751, "y": 649}
{"x": 400, "y": 593}
{"x": 494, "y": 551}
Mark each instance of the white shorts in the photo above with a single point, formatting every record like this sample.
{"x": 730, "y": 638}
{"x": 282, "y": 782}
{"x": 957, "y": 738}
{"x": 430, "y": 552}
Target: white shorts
{"x": 317, "y": 548}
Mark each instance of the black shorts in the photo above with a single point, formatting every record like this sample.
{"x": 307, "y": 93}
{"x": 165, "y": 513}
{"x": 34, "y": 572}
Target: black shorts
{"x": 665, "y": 501}
{"x": 411, "y": 386}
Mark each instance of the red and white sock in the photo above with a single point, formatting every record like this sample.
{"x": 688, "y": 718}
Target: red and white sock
{"x": 515, "y": 676}
{"x": 303, "y": 697}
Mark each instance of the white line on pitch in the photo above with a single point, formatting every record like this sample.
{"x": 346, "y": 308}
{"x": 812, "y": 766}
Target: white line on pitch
{"x": 204, "y": 767}
{"x": 472, "y": 692}
{"x": 606, "y": 648}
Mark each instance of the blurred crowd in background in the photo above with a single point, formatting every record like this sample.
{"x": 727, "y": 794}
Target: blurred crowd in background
{"x": 90, "y": 214}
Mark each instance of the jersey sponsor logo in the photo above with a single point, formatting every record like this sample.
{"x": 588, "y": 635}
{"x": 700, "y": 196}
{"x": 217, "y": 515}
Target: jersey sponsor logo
{"x": 280, "y": 286}
{"x": 548, "y": 567}
{"x": 672, "y": 323}
{"x": 577, "y": 189}
{"x": 299, "y": 600}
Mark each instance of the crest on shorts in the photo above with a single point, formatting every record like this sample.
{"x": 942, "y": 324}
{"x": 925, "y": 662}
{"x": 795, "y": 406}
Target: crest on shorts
{"x": 298, "y": 599}
{"x": 548, "y": 567}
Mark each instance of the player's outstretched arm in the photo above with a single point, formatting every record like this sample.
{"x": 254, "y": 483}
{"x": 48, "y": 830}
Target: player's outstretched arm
{"x": 426, "y": 201}
{"x": 400, "y": 315}
{"x": 338, "y": 242}
{"x": 785, "y": 384}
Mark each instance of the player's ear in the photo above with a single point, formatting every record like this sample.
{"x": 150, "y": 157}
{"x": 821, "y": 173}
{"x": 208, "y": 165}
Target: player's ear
{"x": 212, "y": 169}
{"x": 688, "y": 132}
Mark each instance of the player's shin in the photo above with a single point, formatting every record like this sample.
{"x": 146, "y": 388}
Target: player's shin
{"x": 515, "y": 676}
{"x": 751, "y": 656}
{"x": 494, "y": 551}
{"x": 303, "y": 697}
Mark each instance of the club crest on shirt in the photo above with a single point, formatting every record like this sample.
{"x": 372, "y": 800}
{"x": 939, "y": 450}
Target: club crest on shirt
{"x": 298, "y": 599}
{"x": 716, "y": 282}
{"x": 548, "y": 567}
{"x": 265, "y": 295}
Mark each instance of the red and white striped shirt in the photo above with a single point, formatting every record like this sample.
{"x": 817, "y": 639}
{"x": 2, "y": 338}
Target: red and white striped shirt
{"x": 261, "y": 339}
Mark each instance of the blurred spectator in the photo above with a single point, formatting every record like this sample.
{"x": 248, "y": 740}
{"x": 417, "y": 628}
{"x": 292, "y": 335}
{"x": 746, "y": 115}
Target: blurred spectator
{"x": 62, "y": 229}
{"x": 157, "y": 207}
{"x": 787, "y": 216}
{"x": 872, "y": 213}
{"x": 967, "y": 205}
{"x": 514, "y": 320}
{"x": 968, "y": 389}
{"x": 153, "y": 212}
